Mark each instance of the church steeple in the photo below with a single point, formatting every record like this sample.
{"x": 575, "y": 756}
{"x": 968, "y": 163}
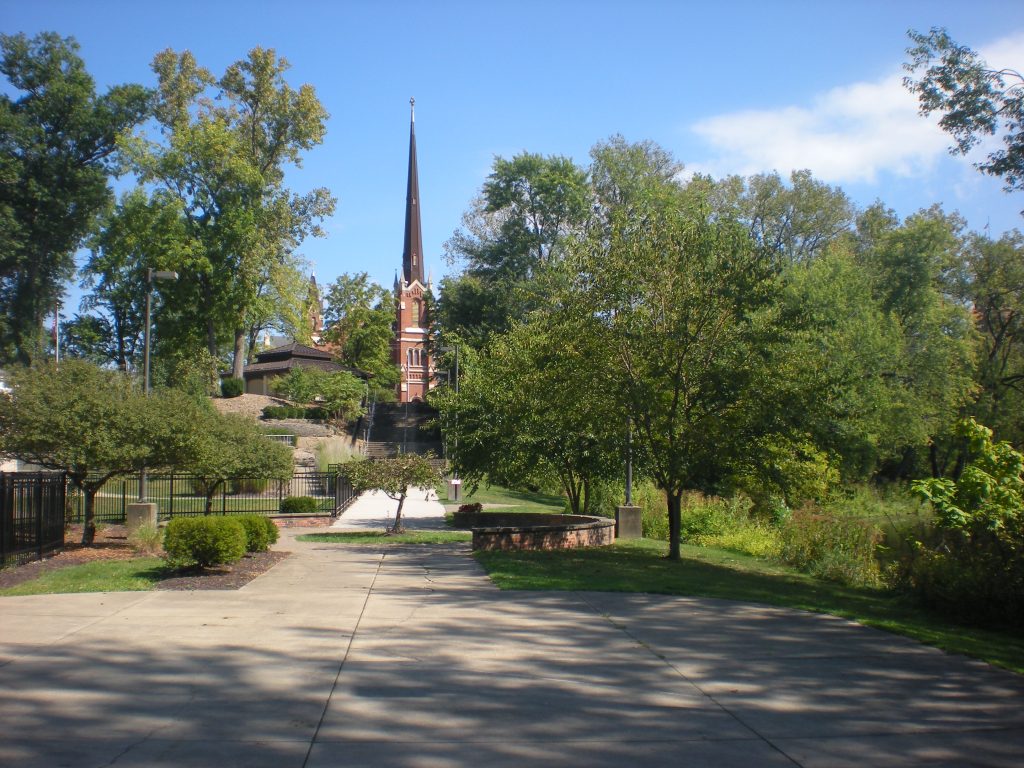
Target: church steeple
{"x": 412, "y": 253}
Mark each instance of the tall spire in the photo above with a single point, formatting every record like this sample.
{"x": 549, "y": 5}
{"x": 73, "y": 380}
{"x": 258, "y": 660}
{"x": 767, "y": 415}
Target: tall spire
{"x": 412, "y": 253}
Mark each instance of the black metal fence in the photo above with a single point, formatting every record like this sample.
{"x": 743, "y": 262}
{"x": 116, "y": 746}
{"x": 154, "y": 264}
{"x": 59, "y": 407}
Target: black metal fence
{"x": 31, "y": 515}
{"x": 183, "y": 495}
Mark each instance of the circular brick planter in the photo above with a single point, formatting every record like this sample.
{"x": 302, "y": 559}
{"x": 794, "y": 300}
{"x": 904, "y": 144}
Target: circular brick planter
{"x": 497, "y": 531}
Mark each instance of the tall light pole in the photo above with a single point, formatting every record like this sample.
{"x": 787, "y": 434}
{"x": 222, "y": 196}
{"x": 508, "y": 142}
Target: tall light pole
{"x": 151, "y": 275}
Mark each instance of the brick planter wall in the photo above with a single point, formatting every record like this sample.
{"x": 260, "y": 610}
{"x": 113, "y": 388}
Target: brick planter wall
{"x": 526, "y": 531}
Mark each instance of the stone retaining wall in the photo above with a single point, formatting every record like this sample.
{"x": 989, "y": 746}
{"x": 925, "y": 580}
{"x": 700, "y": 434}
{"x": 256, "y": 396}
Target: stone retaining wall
{"x": 515, "y": 532}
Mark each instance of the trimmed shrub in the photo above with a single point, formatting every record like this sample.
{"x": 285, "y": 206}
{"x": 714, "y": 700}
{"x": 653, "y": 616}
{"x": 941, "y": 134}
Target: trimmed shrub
{"x": 260, "y": 532}
{"x": 232, "y": 387}
{"x": 299, "y": 505}
{"x": 204, "y": 541}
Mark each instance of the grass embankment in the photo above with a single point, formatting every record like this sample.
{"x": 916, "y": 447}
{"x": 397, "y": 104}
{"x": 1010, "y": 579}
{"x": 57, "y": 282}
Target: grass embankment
{"x": 640, "y": 566}
{"x": 509, "y": 500}
{"x": 135, "y": 575}
{"x": 376, "y": 537}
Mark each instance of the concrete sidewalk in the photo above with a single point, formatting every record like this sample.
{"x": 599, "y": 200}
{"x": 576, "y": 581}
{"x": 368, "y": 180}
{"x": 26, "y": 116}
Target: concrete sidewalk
{"x": 354, "y": 656}
{"x": 375, "y": 510}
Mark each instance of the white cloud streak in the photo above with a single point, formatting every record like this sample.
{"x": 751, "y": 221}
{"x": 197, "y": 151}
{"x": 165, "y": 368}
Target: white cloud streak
{"x": 849, "y": 134}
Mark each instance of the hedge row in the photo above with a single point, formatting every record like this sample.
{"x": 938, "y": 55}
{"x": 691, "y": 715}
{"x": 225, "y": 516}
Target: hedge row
{"x": 293, "y": 412}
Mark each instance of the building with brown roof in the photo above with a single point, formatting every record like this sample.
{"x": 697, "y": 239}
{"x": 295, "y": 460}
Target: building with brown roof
{"x": 278, "y": 361}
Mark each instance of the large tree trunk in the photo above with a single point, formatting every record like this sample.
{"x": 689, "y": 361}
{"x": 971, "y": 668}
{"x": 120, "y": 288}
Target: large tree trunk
{"x": 572, "y": 492}
{"x": 238, "y": 364}
{"x": 89, "y": 516}
{"x": 675, "y": 504}
{"x": 211, "y": 338}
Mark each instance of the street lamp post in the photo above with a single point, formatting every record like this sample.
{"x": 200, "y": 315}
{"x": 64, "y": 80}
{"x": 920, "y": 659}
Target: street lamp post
{"x": 151, "y": 275}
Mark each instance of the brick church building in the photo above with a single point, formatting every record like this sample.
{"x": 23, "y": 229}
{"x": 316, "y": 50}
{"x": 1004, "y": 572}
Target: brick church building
{"x": 410, "y": 348}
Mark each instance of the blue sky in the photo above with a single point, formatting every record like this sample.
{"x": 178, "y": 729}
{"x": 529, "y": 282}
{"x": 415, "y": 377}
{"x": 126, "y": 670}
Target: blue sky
{"x": 727, "y": 87}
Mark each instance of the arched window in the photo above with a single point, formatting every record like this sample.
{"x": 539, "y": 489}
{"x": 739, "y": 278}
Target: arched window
{"x": 416, "y": 314}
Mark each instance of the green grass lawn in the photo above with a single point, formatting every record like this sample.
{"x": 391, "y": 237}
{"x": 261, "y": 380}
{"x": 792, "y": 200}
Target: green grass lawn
{"x": 136, "y": 575}
{"x": 640, "y": 566}
{"x": 516, "y": 501}
{"x": 375, "y": 537}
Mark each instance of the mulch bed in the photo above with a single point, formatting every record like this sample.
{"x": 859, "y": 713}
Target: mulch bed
{"x": 111, "y": 543}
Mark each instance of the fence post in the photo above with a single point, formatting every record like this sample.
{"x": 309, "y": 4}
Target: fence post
{"x": 39, "y": 517}
{"x": 6, "y": 530}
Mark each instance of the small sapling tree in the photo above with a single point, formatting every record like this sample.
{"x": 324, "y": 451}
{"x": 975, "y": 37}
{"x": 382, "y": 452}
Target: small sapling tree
{"x": 230, "y": 447}
{"x": 393, "y": 477}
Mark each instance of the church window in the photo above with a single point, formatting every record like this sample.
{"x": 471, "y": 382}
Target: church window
{"x": 416, "y": 314}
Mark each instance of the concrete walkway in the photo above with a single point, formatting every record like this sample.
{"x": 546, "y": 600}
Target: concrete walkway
{"x": 354, "y": 656}
{"x": 376, "y": 511}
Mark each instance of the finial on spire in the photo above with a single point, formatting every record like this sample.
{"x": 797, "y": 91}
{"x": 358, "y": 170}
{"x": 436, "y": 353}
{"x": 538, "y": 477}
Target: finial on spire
{"x": 412, "y": 109}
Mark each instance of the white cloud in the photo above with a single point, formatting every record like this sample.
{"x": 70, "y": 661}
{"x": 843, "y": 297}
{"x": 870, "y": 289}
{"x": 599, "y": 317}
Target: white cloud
{"x": 849, "y": 134}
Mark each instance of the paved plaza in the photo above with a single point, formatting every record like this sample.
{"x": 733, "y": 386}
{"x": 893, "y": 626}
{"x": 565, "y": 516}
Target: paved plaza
{"x": 356, "y": 656}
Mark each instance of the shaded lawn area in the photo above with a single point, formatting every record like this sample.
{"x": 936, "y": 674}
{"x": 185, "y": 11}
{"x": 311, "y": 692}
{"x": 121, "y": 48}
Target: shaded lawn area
{"x": 376, "y": 537}
{"x": 640, "y": 566}
{"x": 513, "y": 501}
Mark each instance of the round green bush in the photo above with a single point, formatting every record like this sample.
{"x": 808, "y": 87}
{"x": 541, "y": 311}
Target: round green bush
{"x": 204, "y": 541}
{"x": 299, "y": 505}
{"x": 260, "y": 532}
{"x": 232, "y": 387}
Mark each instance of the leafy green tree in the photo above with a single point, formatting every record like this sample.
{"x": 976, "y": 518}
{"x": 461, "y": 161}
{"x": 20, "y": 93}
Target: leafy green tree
{"x": 93, "y": 424}
{"x": 537, "y": 405}
{"x": 994, "y": 287}
{"x": 795, "y": 222}
{"x": 915, "y": 269}
{"x": 140, "y": 233}
{"x": 989, "y": 495}
{"x": 844, "y": 364}
{"x": 975, "y": 101}
{"x": 230, "y": 447}
{"x": 686, "y": 306}
{"x": 393, "y": 477}
{"x": 621, "y": 173}
{"x": 517, "y": 228}
{"x": 282, "y": 303}
{"x": 56, "y": 147}
{"x": 359, "y": 318}
{"x": 976, "y": 569}
{"x": 340, "y": 393}
{"x": 88, "y": 337}
{"x": 223, "y": 161}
